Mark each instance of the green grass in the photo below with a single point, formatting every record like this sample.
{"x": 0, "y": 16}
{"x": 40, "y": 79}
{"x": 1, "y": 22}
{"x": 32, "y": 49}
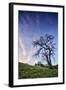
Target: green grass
{"x": 27, "y": 71}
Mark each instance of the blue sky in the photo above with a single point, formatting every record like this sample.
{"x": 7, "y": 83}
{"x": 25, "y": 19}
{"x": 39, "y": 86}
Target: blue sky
{"x": 32, "y": 25}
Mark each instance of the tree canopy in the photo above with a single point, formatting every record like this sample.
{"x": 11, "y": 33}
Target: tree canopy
{"x": 46, "y": 47}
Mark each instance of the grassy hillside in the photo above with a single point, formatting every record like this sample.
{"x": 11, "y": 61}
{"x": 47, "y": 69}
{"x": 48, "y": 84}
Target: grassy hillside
{"x": 27, "y": 71}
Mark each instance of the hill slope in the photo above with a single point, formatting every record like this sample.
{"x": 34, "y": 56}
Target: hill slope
{"x": 28, "y": 71}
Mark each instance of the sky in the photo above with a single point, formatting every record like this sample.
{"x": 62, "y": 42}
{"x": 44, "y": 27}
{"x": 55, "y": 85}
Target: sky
{"x": 32, "y": 25}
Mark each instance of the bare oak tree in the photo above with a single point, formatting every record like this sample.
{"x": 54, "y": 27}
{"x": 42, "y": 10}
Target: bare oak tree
{"x": 46, "y": 47}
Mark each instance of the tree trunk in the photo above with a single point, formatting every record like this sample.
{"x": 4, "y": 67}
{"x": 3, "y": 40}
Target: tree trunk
{"x": 49, "y": 57}
{"x": 48, "y": 62}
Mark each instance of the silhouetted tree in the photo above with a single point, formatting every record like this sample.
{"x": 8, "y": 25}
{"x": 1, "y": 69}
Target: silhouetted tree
{"x": 46, "y": 47}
